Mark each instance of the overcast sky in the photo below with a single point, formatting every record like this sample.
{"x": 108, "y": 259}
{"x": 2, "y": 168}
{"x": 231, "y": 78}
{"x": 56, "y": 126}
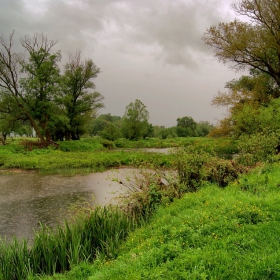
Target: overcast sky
{"x": 146, "y": 49}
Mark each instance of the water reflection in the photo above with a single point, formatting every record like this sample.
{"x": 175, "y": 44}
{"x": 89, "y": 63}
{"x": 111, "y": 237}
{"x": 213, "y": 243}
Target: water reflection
{"x": 28, "y": 199}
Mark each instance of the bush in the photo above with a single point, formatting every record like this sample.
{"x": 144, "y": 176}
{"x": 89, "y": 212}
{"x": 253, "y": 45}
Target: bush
{"x": 223, "y": 171}
{"x": 258, "y": 147}
{"x": 194, "y": 167}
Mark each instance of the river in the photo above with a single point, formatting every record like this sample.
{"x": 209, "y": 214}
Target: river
{"x": 28, "y": 199}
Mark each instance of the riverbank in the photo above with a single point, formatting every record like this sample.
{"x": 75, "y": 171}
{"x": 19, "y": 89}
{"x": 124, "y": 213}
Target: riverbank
{"x": 92, "y": 155}
{"x": 230, "y": 233}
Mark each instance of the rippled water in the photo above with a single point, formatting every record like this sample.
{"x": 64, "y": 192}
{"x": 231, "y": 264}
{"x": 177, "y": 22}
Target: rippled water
{"x": 28, "y": 199}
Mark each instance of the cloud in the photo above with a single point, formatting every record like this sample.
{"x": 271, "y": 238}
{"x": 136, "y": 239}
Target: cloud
{"x": 147, "y": 49}
{"x": 169, "y": 31}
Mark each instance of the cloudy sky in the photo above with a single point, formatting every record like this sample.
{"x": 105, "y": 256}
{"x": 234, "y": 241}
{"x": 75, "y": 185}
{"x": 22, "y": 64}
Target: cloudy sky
{"x": 146, "y": 49}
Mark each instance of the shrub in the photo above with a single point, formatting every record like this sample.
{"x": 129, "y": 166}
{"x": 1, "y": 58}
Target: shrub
{"x": 223, "y": 171}
{"x": 195, "y": 166}
{"x": 257, "y": 148}
{"x": 190, "y": 164}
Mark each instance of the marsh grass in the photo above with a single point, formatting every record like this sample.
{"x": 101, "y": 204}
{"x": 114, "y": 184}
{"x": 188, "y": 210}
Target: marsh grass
{"x": 94, "y": 232}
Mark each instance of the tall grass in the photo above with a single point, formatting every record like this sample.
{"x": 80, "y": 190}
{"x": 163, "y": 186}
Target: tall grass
{"x": 93, "y": 233}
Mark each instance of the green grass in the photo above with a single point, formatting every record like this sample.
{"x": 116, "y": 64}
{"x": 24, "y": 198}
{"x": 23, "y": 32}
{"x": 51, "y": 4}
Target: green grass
{"x": 96, "y": 232}
{"x": 89, "y": 154}
{"x": 230, "y": 233}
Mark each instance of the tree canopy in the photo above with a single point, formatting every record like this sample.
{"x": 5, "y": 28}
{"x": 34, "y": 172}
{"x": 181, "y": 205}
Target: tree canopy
{"x": 135, "y": 120}
{"x": 254, "y": 44}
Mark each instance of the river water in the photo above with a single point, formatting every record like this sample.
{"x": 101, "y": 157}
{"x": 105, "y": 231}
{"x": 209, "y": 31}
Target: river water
{"x": 28, "y": 199}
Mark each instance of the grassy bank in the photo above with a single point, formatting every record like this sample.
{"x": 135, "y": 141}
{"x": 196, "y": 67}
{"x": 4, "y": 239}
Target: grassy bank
{"x": 90, "y": 154}
{"x": 215, "y": 233}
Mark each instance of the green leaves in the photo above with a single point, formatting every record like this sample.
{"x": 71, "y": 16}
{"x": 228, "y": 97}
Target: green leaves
{"x": 135, "y": 120}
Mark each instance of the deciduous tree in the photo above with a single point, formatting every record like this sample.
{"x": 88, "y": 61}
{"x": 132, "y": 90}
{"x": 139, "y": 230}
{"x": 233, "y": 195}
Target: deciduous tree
{"x": 251, "y": 44}
{"x": 31, "y": 83}
{"x": 135, "y": 120}
{"x": 79, "y": 99}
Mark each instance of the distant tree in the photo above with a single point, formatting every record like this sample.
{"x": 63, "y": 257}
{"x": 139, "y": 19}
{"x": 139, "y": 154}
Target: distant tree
{"x": 108, "y": 117}
{"x": 186, "y": 126}
{"x": 135, "y": 121}
{"x": 110, "y": 132}
{"x": 203, "y": 128}
{"x": 97, "y": 125}
{"x": 165, "y": 132}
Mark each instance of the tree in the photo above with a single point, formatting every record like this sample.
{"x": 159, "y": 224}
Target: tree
{"x": 243, "y": 99}
{"x": 110, "y": 132}
{"x": 56, "y": 106}
{"x": 203, "y": 128}
{"x": 78, "y": 99}
{"x": 31, "y": 83}
{"x": 10, "y": 118}
{"x": 254, "y": 44}
{"x": 186, "y": 127}
{"x": 135, "y": 120}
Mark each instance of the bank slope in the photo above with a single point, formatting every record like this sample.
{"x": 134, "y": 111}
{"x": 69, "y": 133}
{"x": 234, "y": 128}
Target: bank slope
{"x": 230, "y": 233}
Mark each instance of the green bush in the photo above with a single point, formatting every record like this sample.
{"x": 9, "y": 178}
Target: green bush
{"x": 258, "y": 147}
{"x": 80, "y": 146}
{"x": 196, "y": 166}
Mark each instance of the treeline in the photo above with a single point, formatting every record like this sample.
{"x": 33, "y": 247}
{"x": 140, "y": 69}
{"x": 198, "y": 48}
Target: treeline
{"x": 114, "y": 127}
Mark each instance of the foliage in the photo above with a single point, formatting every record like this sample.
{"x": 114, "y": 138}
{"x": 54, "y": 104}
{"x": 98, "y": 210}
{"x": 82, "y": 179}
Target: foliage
{"x": 100, "y": 123}
{"x": 259, "y": 147}
{"x": 135, "y": 121}
{"x": 94, "y": 232}
{"x": 32, "y": 89}
{"x": 163, "y": 132}
{"x": 186, "y": 126}
{"x": 195, "y": 166}
{"x": 110, "y": 132}
{"x": 79, "y": 103}
{"x": 252, "y": 43}
{"x": 250, "y": 105}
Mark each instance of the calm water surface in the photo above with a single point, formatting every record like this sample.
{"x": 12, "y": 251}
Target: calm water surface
{"x": 28, "y": 199}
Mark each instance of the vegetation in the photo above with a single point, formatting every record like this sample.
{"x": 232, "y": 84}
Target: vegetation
{"x": 251, "y": 44}
{"x": 215, "y": 233}
{"x": 94, "y": 154}
{"x": 32, "y": 89}
{"x": 95, "y": 232}
{"x": 188, "y": 214}
{"x": 94, "y": 236}
{"x": 135, "y": 121}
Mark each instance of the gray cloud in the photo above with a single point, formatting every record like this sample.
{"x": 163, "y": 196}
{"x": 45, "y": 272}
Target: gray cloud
{"x": 147, "y": 49}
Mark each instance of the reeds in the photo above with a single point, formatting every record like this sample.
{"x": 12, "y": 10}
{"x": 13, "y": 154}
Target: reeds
{"x": 95, "y": 232}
